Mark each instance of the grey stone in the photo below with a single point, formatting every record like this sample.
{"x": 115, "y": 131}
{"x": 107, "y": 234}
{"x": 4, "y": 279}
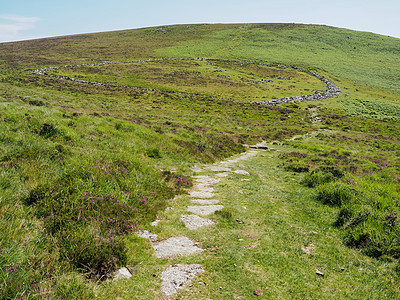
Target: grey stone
{"x": 122, "y": 273}
{"x": 204, "y": 187}
{"x": 152, "y": 237}
{"x": 194, "y": 222}
{"x": 196, "y": 169}
{"x": 225, "y": 174}
{"x": 155, "y": 223}
{"x": 175, "y": 277}
{"x": 175, "y": 246}
{"x": 242, "y": 172}
{"x": 201, "y": 194}
{"x": 204, "y": 201}
{"x": 207, "y": 179}
{"x": 204, "y": 210}
{"x": 218, "y": 169}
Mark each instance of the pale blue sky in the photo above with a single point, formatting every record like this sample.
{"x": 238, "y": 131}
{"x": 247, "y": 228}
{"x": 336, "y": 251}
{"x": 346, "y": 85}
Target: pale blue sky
{"x": 27, "y": 19}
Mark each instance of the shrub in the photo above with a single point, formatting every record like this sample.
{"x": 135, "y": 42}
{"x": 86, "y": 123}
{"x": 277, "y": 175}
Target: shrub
{"x": 94, "y": 253}
{"x": 335, "y": 193}
{"x": 322, "y": 175}
{"x": 91, "y": 206}
{"x": 315, "y": 178}
{"x": 344, "y": 215}
{"x": 48, "y": 130}
{"x": 73, "y": 287}
{"x": 153, "y": 153}
{"x": 224, "y": 214}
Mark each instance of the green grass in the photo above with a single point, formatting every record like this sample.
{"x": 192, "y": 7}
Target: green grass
{"x": 373, "y": 109}
{"x": 73, "y": 155}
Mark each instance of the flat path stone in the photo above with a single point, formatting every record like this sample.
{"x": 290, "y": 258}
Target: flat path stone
{"x": 196, "y": 169}
{"x": 203, "y": 187}
{"x": 204, "y": 201}
{"x": 152, "y": 237}
{"x": 241, "y": 172}
{"x": 224, "y": 174}
{"x": 208, "y": 179}
{"x": 175, "y": 246}
{"x": 218, "y": 169}
{"x": 175, "y": 277}
{"x": 194, "y": 222}
{"x": 196, "y": 194}
{"x": 242, "y": 156}
{"x": 204, "y": 210}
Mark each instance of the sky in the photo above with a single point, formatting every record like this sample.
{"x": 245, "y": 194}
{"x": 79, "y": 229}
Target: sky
{"x": 29, "y": 19}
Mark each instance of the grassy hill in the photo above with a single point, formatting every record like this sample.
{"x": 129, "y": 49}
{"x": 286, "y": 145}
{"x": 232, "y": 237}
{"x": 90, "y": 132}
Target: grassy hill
{"x": 75, "y": 157}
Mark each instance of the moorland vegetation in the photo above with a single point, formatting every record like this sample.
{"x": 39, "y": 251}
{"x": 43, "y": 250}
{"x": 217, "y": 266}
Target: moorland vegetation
{"x": 84, "y": 166}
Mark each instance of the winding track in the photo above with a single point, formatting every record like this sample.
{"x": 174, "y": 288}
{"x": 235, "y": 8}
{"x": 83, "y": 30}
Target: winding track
{"x": 332, "y": 89}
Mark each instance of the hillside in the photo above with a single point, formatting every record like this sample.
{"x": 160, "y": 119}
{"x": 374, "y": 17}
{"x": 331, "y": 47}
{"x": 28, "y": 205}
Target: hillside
{"x": 100, "y": 132}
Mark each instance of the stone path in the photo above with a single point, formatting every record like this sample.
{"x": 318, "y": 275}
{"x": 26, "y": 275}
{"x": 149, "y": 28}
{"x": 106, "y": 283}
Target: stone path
{"x": 203, "y": 203}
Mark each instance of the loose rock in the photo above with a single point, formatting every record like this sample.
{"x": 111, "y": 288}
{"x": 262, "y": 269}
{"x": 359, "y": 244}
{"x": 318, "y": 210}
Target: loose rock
{"x": 155, "y": 223}
{"x": 309, "y": 249}
{"x": 258, "y": 292}
{"x": 122, "y": 273}
{"x": 148, "y": 235}
{"x": 242, "y": 172}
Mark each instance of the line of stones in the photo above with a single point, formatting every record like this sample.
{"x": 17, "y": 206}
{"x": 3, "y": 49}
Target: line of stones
{"x": 332, "y": 89}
